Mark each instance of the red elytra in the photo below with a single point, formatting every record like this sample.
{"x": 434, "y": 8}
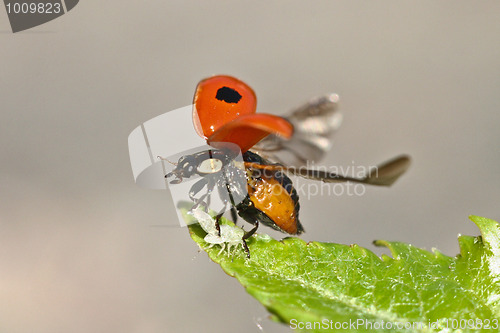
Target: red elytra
{"x": 224, "y": 111}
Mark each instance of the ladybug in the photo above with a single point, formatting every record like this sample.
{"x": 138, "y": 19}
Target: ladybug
{"x": 224, "y": 114}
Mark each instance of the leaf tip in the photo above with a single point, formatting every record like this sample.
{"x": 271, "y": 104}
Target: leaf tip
{"x": 490, "y": 231}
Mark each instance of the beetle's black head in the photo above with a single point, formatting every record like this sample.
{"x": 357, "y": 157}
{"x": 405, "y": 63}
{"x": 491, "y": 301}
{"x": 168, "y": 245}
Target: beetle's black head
{"x": 186, "y": 167}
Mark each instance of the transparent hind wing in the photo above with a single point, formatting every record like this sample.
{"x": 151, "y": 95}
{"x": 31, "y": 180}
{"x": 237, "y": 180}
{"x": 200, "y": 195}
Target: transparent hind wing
{"x": 384, "y": 174}
{"x": 314, "y": 124}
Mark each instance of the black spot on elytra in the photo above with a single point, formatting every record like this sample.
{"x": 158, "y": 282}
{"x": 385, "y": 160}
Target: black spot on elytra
{"x": 228, "y": 95}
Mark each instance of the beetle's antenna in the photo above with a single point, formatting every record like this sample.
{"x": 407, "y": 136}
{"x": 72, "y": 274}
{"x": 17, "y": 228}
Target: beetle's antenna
{"x": 165, "y": 159}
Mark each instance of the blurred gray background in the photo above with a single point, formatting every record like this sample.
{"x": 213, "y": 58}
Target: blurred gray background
{"x": 80, "y": 250}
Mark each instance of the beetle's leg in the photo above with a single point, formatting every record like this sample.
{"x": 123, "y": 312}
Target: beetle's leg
{"x": 251, "y": 232}
{"x": 218, "y": 217}
{"x": 234, "y": 214}
{"x": 210, "y": 187}
{"x": 223, "y": 190}
{"x": 198, "y": 202}
{"x": 197, "y": 187}
{"x": 248, "y": 235}
{"x": 245, "y": 246}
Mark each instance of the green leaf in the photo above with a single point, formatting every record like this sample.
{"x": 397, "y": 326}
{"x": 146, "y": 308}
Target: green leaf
{"x": 318, "y": 286}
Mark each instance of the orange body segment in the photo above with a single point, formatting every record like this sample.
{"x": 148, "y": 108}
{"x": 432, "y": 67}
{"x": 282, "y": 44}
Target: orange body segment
{"x": 269, "y": 196}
